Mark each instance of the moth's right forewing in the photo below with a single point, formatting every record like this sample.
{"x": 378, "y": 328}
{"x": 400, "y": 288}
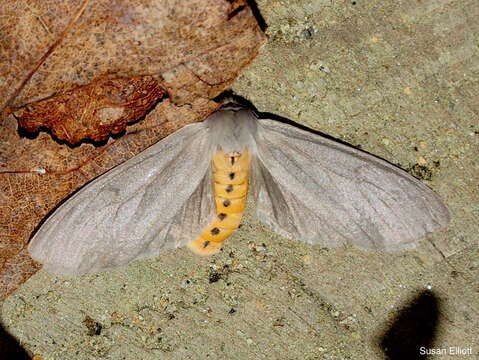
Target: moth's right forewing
{"x": 319, "y": 191}
{"x": 134, "y": 210}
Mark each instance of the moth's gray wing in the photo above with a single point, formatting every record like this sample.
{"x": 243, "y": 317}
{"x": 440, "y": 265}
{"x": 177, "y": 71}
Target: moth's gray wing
{"x": 160, "y": 199}
{"x": 313, "y": 189}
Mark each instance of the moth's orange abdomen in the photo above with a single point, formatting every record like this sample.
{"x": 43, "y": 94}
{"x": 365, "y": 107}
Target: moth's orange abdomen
{"x": 230, "y": 175}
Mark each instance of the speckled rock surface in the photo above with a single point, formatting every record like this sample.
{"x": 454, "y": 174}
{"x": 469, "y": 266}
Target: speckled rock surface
{"x": 400, "y": 80}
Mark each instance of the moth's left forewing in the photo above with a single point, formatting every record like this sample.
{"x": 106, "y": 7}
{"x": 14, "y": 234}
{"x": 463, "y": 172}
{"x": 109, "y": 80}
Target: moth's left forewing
{"x": 320, "y": 191}
{"x": 158, "y": 200}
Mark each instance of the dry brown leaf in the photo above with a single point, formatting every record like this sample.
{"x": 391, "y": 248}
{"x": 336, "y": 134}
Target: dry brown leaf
{"x": 85, "y": 69}
{"x": 92, "y": 111}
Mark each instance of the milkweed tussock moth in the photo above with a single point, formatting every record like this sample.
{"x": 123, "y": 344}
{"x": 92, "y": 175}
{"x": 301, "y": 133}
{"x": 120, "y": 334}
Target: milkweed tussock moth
{"x": 190, "y": 189}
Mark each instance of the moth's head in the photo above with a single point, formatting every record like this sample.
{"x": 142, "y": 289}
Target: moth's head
{"x": 230, "y": 101}
{"x": 233, "y": 106}
{"x": 232, "y": 128}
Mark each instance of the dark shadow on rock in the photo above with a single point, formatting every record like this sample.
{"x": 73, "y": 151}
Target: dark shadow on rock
{"x": 10, "y": 349}
{"x": 257, "y": 14}
{"x": 413, "y": 329}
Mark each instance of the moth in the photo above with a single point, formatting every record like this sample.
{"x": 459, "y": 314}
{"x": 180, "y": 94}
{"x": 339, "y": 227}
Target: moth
{"x": 190, "y": 189}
